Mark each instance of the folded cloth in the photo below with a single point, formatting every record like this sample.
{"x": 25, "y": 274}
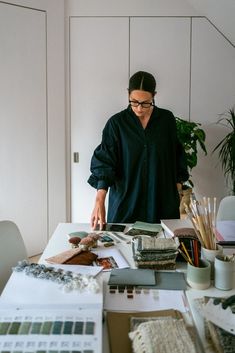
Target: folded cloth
{"x": 73, "y": 257}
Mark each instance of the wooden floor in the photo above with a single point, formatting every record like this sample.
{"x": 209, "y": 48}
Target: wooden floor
{"x": 34, "y": 259}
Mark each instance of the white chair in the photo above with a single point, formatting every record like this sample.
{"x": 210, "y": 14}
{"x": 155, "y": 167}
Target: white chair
{"x": 226, "y": 209}
{"x": 12, "y": 250}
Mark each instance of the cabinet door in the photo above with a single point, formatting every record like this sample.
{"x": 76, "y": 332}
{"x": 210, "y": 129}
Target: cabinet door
{"x": 23, "y": 124}
{"x": 162, "y": 47}
{"x": 98, "y": 88}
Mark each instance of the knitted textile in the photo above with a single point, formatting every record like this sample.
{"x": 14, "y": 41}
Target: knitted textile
{"x": 162, "y": 336}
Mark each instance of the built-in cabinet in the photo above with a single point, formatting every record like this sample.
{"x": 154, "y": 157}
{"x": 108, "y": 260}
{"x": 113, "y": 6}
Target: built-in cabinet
{"x": 32, "y": 118}
{"x": 194, "y": 67}
{"x": 23, "y": 127}
{"x": 98, "y": 76}
{"x": 104, "y": 51}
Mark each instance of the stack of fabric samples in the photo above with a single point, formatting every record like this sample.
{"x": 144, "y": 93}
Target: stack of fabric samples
{"x": 155, "y": 253}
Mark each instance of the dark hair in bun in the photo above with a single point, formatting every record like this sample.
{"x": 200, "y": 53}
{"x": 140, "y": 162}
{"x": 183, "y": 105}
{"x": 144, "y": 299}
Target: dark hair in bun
{"x": 142, "y": 81}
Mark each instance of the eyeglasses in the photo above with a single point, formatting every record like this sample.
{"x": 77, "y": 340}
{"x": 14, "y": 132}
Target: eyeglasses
{"x": 143, "y": 104}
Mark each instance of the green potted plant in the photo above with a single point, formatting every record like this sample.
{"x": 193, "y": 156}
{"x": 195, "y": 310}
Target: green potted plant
{"x": 191, "y": 135}
{"x": 226, "y": 147}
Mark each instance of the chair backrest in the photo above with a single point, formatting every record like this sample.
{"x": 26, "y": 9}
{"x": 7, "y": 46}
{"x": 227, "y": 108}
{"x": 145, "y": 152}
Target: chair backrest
{"x": 226, "y": 210}
{"x": 12, "y": 250}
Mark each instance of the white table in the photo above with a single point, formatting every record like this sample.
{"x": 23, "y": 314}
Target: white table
{"x": 59, "y": 243}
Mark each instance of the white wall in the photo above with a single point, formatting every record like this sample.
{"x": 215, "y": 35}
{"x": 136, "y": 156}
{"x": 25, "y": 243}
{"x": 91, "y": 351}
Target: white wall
{"x": 212, "y": 94}
{"x": 220, "y": 13}
{"x": 129, "y": 8}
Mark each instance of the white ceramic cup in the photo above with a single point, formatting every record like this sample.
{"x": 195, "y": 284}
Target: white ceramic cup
{"x": 199, "y": 277}
{"x": 224, "y": 273}
{"x": 209, "y": 255}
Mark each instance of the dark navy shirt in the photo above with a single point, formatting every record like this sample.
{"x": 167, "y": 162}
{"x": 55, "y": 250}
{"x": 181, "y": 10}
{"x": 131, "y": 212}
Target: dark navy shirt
{"x": 140, "y": 167}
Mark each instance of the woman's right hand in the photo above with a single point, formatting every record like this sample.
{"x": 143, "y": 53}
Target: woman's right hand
{"x": 98, "y": 216}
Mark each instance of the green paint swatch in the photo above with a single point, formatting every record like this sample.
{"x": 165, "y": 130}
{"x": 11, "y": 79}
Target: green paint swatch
{"x": 57, "y": 328}
{"x": 13, "y": 330}
{"x": 35, "y": 328}
{"x": 46, "y": 328}
{"x": 4, "y": 327}
{"x": 89, "y": 328}
{"x": 68, "y": 327}
{"x": 24, "y": 328}
{"x": 78, "y": 328}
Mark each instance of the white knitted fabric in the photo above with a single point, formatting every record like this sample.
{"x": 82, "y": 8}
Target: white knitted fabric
{"x": 162, "y": 336}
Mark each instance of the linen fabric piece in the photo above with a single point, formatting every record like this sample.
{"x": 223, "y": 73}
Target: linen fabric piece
{"x": 146, "y": 189}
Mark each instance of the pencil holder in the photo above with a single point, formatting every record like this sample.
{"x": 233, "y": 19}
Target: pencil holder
{"x": 209, "y": 255}
{"x": 199, "y": 277}
{"x": 224, "y": 273}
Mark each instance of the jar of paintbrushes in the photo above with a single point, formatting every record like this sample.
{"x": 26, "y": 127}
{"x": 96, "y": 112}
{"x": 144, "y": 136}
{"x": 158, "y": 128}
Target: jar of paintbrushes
{"x": 203, "y": 217}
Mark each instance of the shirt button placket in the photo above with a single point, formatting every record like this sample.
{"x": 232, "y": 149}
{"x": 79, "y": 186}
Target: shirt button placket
{"x": 145, "y": 177}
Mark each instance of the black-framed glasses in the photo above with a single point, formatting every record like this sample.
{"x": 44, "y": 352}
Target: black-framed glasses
{"x": 143, "y": 104}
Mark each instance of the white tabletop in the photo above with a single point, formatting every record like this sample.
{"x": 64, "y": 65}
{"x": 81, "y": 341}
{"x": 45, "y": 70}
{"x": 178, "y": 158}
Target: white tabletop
{"x": 59, "y": 243}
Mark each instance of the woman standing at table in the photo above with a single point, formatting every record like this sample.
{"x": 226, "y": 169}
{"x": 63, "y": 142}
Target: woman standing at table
{"x": 140, "y": 161}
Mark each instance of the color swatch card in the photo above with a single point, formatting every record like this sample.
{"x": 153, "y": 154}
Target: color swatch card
{"x": 131, "y": 276}
{"x": 135, "y": 298}
{"x": 54, "y": 331}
